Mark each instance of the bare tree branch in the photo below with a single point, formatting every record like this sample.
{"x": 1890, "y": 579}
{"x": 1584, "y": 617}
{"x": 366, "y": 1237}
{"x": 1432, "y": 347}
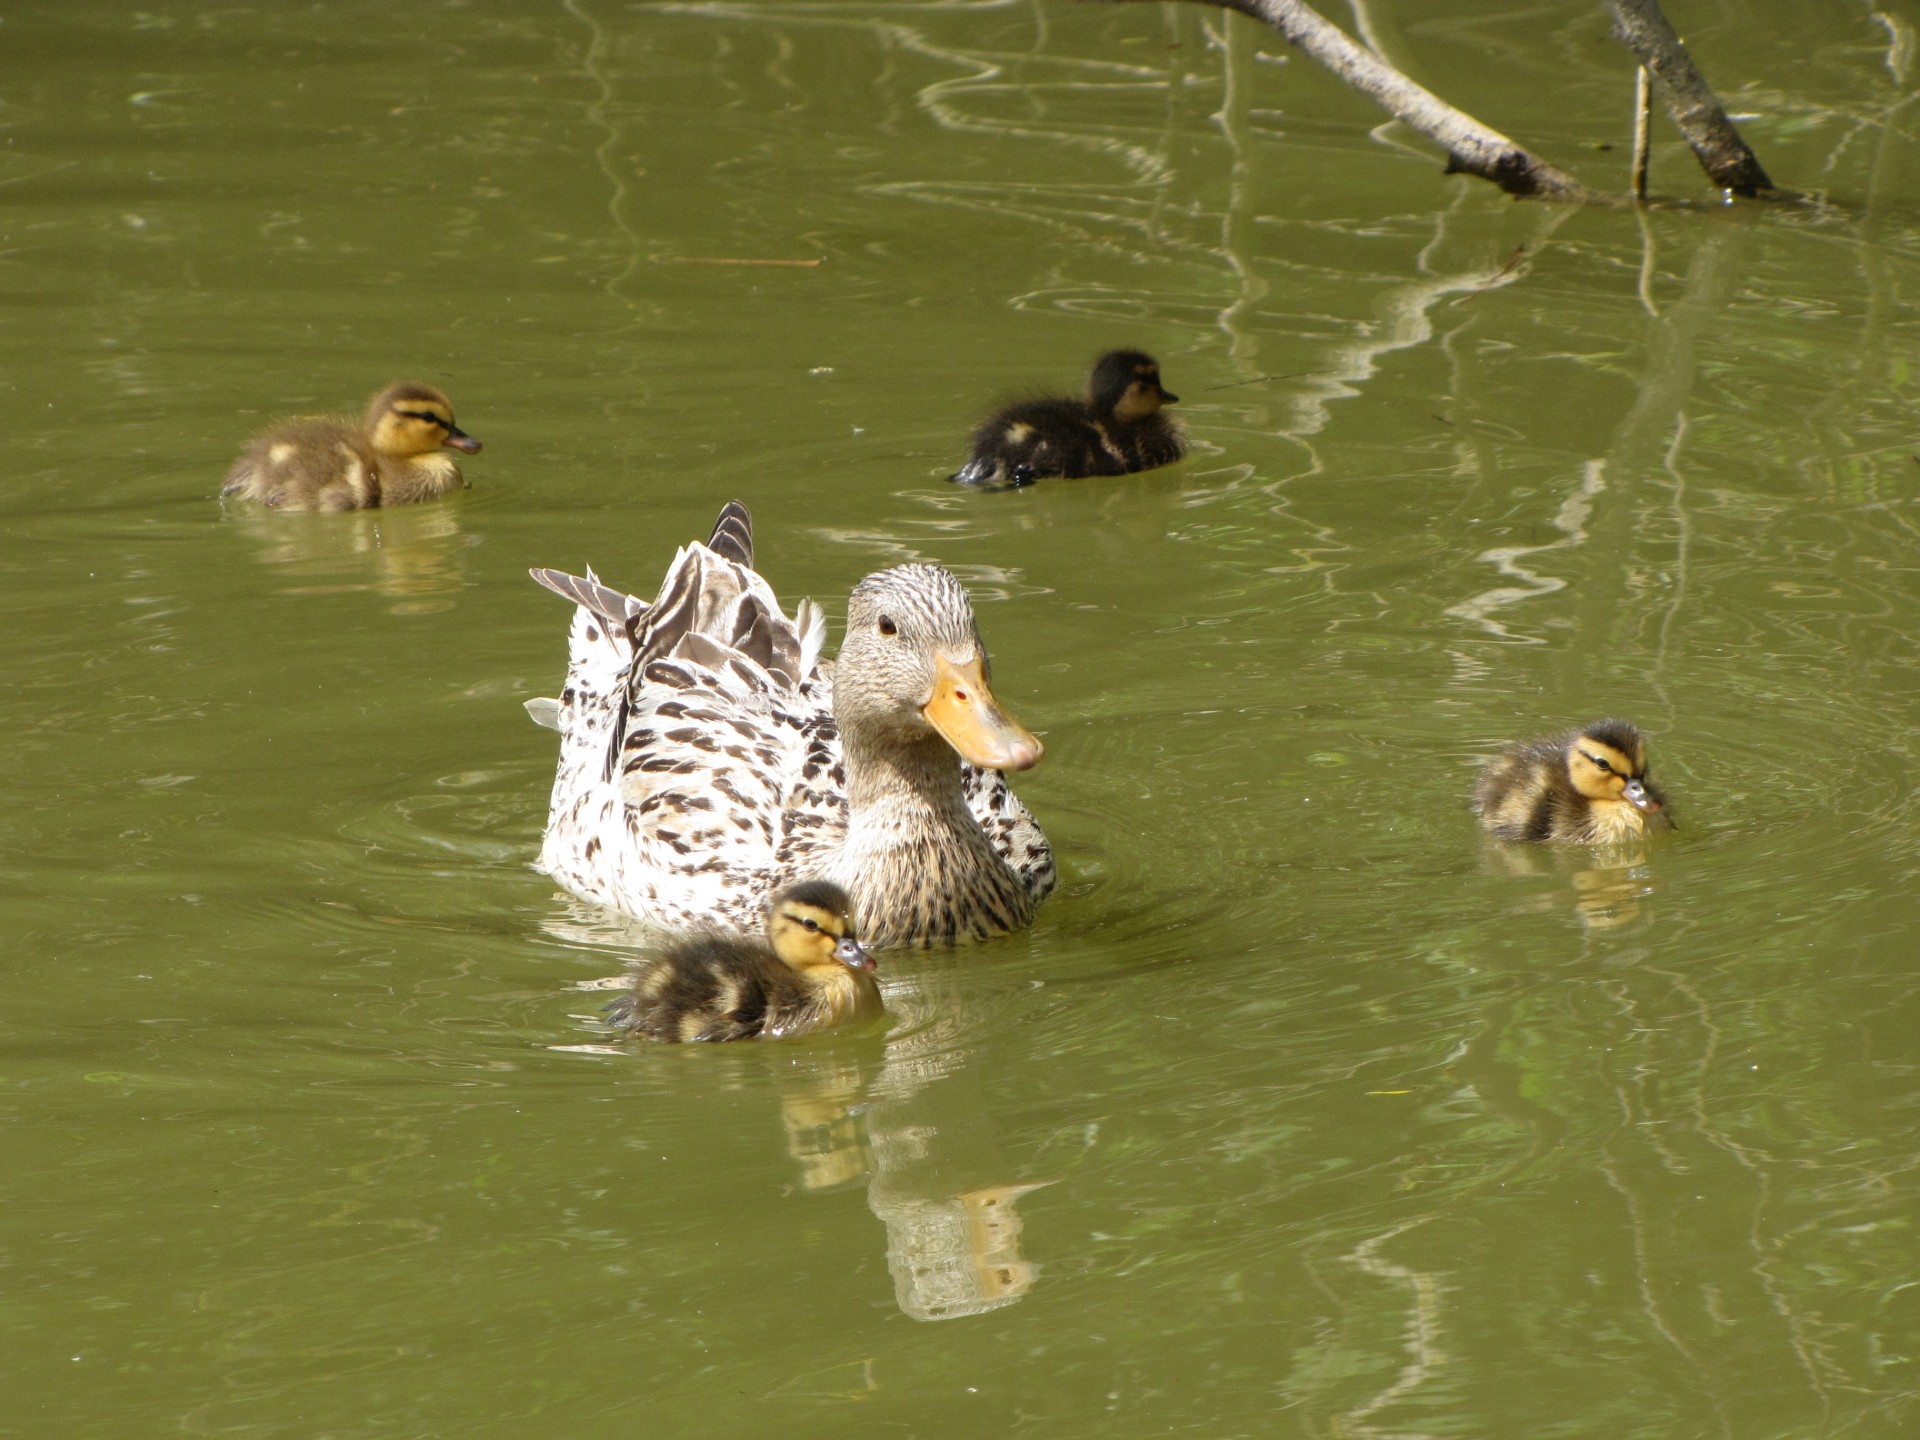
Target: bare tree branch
{"x": 1472, "y": 148}
{"x": 1476, "y": 149}
{"x": 1724, "y": 155}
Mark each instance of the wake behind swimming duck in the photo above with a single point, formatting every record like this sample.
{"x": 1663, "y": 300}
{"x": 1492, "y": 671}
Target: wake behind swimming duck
{"x": 709, "y": 756}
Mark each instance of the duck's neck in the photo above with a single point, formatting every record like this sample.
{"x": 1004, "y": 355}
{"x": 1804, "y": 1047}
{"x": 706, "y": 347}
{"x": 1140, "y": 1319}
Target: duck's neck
{"x": 900, "y": 780}
{"x": 406, "y": 479}
{"x": 834, "y": 996}
{"x": 1614, "y": 821}
{"x": 917, "y": 861}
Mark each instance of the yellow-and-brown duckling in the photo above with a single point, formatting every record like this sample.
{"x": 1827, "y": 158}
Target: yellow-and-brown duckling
{"x": 1116, "y": 430}
{"x": 809, "y": 974}
{"x": 1586, "y": 787}
{"x": 395, "y": 456}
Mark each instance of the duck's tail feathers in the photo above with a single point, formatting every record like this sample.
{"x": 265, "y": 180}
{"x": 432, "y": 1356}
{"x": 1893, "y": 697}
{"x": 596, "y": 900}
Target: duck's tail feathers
{"x": 733, "y": 534}
{"x": 712, "y": 594}
{"x": 591, "y": 710}
{"x": 587, "y": 592}
{"x": 811, "y": 623}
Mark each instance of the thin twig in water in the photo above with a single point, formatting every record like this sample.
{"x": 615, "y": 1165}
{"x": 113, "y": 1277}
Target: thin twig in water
{"x": 730, "y": 260}
{"x": 1258, "y": 379}
{"x": 1642, "y": 131}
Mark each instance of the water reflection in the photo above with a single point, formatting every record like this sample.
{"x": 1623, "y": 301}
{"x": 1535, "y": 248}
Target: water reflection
{"x": 918, "y": 1131}
{"x": 922, "y": 1140}
{"x": 826, "y": 1134}
{"x": 913, "y": 1125}
{"x": 940, "y": 1184}
{"x": 1607, "y": 885}
{"x": 1616, "y": 519}
{"x": 1425, "y": 1291}
{"x": 415, "y": 554}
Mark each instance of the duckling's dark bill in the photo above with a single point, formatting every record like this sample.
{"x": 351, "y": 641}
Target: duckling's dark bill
{"x": 459, "y": 440}
{"x": 965, "y": 713}
{"x": 851, "y": 953}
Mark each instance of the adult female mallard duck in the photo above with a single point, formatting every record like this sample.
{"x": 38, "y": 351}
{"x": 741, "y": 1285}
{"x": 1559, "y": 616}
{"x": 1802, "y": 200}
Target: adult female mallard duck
{"x": 809, "y": 974}
{"x": 329, "y": 462}
{"x": 1588, "y": 786}
{"x": 1117, "y": 429}
{"x": 708, "y": 756}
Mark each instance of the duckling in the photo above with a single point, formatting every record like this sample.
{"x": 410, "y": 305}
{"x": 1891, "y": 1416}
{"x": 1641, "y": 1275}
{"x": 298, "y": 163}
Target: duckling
{"x": 1117, "y": 429}
{"x": 1586, "y": 787}
{"x": 331, "y": 463}
{"x": 810, "y": 974}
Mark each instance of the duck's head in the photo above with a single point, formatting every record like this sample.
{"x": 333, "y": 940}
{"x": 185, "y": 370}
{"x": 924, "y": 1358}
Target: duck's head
{"x": 810, "y": 925}
{"x": 408, "y": 420}
{"x": 1607, "y": 760}
{"x": 912, "y": 663}
{"x": 1126, "y": 385}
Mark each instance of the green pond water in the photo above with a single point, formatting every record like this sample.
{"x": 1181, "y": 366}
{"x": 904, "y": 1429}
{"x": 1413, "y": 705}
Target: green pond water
{"x": 1304, "y": 1109}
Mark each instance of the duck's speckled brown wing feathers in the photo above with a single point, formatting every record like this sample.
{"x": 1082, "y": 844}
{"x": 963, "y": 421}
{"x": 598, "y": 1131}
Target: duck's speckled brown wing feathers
{"x": 700, "y": 767}
{"x": 680, "y": 736}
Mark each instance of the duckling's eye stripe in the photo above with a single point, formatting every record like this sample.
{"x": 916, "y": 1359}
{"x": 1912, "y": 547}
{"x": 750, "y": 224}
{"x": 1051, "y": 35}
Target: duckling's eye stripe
{"x": 423, "y": 415}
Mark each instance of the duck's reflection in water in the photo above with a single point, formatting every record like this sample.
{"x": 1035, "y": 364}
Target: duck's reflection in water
{"x": 1610, "y": 884}
{"x": 414, "y": 554}
{"x": 903, "y": 1111}
{"x": 919, "y": 1132}
{"x": 826, "y": 1134}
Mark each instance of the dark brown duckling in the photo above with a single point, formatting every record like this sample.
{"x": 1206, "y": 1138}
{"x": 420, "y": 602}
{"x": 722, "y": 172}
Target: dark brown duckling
{"x": 1116, "y": 430}
{"x": 809, "y": 974}
{"x": 1586, "y": 787}
{"x": 392, "y": 457}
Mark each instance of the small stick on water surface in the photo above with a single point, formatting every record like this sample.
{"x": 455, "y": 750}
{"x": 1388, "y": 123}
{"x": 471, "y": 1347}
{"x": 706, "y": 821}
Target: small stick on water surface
{"x": 1236, "y": 384}
{"x": 730, "y": 260}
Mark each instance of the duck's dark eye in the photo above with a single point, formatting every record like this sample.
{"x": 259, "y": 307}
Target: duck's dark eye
{"x": 887, "y": 627}
{"x": 813, "y": 925}
{"x": 1604, "y": 766}
{"x": 423, "y": 415}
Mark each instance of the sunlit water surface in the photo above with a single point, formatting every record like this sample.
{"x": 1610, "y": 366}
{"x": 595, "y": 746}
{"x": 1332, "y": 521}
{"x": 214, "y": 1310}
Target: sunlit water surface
{"x": 1303, "y": 1109}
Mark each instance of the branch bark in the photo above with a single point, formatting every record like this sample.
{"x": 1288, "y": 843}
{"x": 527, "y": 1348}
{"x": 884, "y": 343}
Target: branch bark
{"x": 1723, "y": 154}
{"x": 1477, "y": 149}
{"x": 1472, "y": 148}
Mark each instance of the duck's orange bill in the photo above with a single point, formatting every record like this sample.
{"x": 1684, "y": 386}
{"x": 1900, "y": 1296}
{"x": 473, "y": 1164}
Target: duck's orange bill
{"x": 965, "y": 713}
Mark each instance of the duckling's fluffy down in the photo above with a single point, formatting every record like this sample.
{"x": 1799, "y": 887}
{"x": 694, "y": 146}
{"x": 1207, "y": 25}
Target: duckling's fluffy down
{"x": 392, "y": 456}
{"x": 1528, "y": 791}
